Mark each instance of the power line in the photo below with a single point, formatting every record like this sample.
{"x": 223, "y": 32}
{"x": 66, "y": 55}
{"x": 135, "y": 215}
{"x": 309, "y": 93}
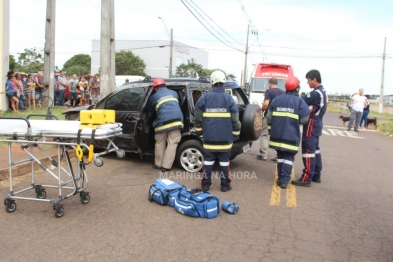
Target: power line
{"x": 215, "y": 23}
{"x": 208, "y": 28}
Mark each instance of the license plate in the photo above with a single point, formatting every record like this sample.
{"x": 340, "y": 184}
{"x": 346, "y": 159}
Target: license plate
{"x": 246, "y": 148}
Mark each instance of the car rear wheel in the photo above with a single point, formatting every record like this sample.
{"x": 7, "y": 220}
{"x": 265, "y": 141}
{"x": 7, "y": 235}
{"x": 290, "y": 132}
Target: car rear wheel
{"x": 189, "y": 155}
{"x": 252, "y": 122}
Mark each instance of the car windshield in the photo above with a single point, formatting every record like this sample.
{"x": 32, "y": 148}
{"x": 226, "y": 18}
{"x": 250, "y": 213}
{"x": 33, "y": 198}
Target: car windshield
{"x": 260, "y": 85}
{"x": 126, "y": 100}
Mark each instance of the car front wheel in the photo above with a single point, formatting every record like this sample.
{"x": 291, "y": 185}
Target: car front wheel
{"x": 189, "y": 155}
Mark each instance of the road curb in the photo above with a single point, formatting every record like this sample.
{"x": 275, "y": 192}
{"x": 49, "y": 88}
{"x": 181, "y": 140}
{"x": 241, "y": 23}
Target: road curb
{"x": 25, "y": 168}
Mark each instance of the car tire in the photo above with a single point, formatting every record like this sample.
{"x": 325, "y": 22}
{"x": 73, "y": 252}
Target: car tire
{"x": 189, "y": 155}
{"x": 252, "y": 122}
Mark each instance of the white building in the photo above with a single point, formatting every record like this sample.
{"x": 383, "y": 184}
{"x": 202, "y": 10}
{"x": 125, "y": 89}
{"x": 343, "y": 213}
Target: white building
{"x": 155, "y": 54}
{"x": 388, "y": 100}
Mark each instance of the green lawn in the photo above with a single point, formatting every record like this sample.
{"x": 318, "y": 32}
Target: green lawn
{"x": 24, "y": 113}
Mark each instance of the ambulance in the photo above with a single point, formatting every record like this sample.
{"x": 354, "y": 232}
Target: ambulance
{"x": 260, "y": 78}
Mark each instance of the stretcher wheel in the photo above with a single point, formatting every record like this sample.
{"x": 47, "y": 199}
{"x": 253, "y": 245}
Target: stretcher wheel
{"x": 85, "y": 197}
{"x": 10, "y": 206}
{"x": 98, "y": 161}
{"x": 41, "y": 194}
{"x": 120, "y": 153}
{"x": 59, "y": 212}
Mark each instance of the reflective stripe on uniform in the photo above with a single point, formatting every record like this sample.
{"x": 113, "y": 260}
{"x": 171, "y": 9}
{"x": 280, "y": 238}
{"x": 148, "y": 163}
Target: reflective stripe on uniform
{"x": 283, "y": 145}
{"x": 217, "y": 147}
{"x": 160, "y": 128}
{"x": 208, "y": 163}
{"x": 224, "y": 163}
{"x": 198, "y": 129}
{"x": 235, "y": 133}
{"x": 308, "y": 155}
{"x": 286, "y": 114}
{"x": 285, "y": 162}
{"x": 216, "y": 115}
{"x": 317, "y": 151}
{"x": 321, "y": 104}
{"x": 164, "y": 101}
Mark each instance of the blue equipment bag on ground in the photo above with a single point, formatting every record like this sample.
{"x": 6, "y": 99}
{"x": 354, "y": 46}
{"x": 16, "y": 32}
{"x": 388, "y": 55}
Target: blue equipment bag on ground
{"x": 196, "y": 203}
{"x": 164, "y": 191}
{"x": 229, "y": 207}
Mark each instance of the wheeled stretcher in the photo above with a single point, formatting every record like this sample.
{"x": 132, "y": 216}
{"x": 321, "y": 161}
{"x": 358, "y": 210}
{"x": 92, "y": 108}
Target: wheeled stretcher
{"x": 34, "y": 136}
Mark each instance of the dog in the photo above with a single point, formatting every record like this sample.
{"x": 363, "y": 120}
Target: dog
{"x": 370, "y": 120}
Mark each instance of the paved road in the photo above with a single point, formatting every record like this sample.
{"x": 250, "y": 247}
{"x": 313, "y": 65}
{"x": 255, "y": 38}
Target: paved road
{"x": 348, "y": 217}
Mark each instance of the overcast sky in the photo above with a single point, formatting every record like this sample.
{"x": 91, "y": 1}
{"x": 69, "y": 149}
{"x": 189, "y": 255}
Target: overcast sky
{"x": 342, "y": 39}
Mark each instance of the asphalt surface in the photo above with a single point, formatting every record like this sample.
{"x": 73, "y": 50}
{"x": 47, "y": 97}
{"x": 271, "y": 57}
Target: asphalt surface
{"x": 347, "y": 217}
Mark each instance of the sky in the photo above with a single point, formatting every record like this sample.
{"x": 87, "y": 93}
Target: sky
{"x": 344, "y": 40}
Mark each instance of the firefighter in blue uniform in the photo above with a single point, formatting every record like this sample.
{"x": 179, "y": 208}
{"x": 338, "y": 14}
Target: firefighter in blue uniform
{"x": 317, "y": 103}
{"x": 217, "y": 119}
{"x": 286, "y": 113}
{"x": 164, "y": 106}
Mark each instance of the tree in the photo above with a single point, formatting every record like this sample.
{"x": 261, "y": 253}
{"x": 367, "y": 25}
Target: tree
{"x": 189, "y": 70}
{"x": 129, "y": 64}
{"x": 77, "y": 70}
{"x": 13, "y": 65}
{"x": 31, "y": 60}
{"x": 208, "y": 72}
{"x": 78, "y": 62}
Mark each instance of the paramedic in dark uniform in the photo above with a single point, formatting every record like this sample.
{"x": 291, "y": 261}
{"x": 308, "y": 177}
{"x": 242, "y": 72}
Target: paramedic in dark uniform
{"x": 317, "y": 104}
{"x": 286, "y": 113}
{"x": 164, "y": 104}
{"x": 217, "y": 119}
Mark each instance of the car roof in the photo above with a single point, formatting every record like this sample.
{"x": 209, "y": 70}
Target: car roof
{"x": 172, "y": 82}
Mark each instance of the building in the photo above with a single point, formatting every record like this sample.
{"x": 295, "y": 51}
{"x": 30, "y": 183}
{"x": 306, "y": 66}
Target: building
{"x": 155, "y": 54}
{"x": 388, "y": 100}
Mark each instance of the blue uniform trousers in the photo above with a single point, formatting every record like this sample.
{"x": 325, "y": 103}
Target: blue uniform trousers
{"x": 284, "y": 166}
{"x": 312, "y": 159}
{"x": 208, "y": 163}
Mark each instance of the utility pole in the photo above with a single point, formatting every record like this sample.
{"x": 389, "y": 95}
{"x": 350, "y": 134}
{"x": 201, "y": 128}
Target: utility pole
{"x": 382, "y": 79}
{"x": 49, "y": 52}
{"x": 245, "y": 60}
{"x": 171, "y": 55}
{"x": 107, "y": 10}
{"x": 4, "y": 49}
{"x": 112, "y": 70}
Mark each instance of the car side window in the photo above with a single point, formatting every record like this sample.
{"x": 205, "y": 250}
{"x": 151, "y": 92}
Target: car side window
{"x": 127, "y": 100}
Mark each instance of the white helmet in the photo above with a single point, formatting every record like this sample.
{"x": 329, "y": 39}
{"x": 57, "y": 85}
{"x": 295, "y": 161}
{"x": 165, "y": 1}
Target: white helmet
{"x": 217, "y": 77}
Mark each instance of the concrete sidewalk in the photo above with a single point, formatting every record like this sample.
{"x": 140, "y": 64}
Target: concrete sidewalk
{"x": 19, "y": 155}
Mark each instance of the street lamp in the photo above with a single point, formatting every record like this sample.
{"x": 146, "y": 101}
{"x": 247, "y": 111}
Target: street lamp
{"x": 162, "y": 19}
{"x": 171, "y": 47}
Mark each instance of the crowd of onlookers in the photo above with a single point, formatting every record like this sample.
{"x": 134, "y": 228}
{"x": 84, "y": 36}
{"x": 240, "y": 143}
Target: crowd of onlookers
{"x": 25, "y": 90}
{"x": 73, "y": 92}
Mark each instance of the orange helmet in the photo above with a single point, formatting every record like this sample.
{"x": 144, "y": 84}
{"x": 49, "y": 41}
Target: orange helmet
{"x": 292, "y": 83}
{"x": 158, "y": 82}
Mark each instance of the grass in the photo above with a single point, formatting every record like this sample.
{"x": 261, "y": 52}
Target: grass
{"x": 386, "y": 127}
{"x": 24, "y": 113}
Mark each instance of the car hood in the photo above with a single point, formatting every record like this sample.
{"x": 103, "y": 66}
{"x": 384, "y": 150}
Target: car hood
{"x": 76, "y": 109}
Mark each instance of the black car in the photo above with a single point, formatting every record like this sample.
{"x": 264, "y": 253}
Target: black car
{"x": 130, "y": 104}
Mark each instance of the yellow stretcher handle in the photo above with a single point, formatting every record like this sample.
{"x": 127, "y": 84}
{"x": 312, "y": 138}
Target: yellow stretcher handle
{"x": 79, "y": 152}
{"x": 91, "y": 150}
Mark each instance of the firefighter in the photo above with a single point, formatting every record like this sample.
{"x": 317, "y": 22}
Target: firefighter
{"x": 317, "y": 103}
{"x": 286, "y": 113}
{"x": 217, "y": 119}
{"x": 164, "y": 107}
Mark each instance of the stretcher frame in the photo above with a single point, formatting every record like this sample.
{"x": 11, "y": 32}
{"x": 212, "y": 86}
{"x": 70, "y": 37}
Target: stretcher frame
{"x": 75, "y": 182}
